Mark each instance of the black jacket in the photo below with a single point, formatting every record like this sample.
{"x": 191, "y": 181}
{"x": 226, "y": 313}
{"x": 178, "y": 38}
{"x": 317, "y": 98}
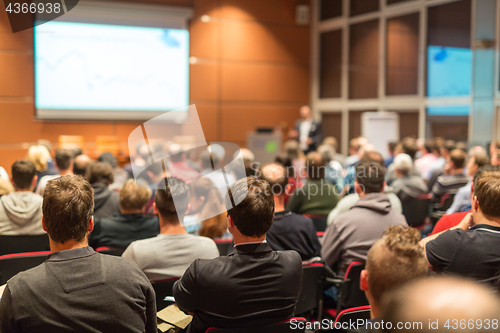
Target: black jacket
{"x": 121, "y": 230}
{"x": 252, "y": 286}
{"x": 291, "y": 231}
{"x": 107, "y": 203}
{"x": 314, "y": 134}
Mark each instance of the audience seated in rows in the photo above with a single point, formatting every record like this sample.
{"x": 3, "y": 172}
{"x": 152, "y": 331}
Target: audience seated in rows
{"x": 130, "y": 224}
{"x": 173, "y": 250}
{"x": 76, "y": 289}
{"x": 21, "y": 211}
{"x": 440, "y": 304}
{"x": 391, "y": 147}
{"x": 64, "y": 163}
{"x": 333, "y": 172}
{"x": 106, "y": 202}
{"x": 40, "y": 156}
{"x": 178, "y": 166}
{"x": 354, "y": 146}
{"x": 461, "y": 200}
{"x": 348, "y": 201}
{"x": 205, "y": 206}
{"x": 352, "y": 233}
{"x": 332, "y": 142}
{"x": 471, "y": 248}
{"x": 453, "y": 177}
{"x": 253, "y": 285}
{"x": 392, "y": 261}
{"x": 350, "y": 172}
{"x": 289, "y": 231}
{"x": 407, "y": 184}
{"x": 317, "y": 196}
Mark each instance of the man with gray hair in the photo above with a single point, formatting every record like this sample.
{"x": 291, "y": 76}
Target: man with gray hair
{"x": 408, "y": 185}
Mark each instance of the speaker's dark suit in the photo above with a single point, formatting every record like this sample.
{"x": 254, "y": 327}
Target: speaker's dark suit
{"x": 252, "y": 286}
{"x": 314, "y": 134}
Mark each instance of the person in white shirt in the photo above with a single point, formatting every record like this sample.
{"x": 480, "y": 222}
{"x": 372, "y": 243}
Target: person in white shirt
{"x": 307, "y": 131}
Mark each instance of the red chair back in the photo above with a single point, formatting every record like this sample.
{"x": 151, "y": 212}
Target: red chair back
{"x": 113, "y": 251}
{"x": 23, "y": 243}
{"x": 296, "y": 324}
{"x": 12, "y": 264}
{"x": 350, "y": 294}
{"x": 353, "y": 315}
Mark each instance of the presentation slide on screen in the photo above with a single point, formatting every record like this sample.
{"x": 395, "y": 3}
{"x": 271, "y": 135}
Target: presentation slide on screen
{"x": 82, "y": 66}
{"x": 449, "y": 71}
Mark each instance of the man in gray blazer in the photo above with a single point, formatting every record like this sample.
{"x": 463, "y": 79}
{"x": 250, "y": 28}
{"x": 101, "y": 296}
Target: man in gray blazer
{"x": 253, "y": 285}
{"x": 76, "y": 289}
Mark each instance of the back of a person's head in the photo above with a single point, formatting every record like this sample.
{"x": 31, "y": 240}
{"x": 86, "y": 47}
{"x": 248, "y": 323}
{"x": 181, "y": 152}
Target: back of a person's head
{"x": 395, "y": 259}
{"x": 449, "y": 145}
{"x": 209, "y": 206}
{"x": 100, "y": 172}
{"x": 64, "y": 158}
{"x": 68, "y": 205}
{"x": 430, "y": 145}
{"x": 462, "y": 146}
{"x": 327, "y": 152}
{"x": 481, "y": 160}
{"x": 487, "y": 192}
{"x": 254, "y": 214}
{"x": 331, "y": 141}
{"x": 391, "y": 146}
{"x": 403, "y": 163}
{"x": 292, "y": 149}
{"x": 247, "y": 155}
{"x": 484, "y": 169}
{"x": 133, "y": 197}
{"x": 315, "y": 166}
{"x": 370, "y": 176}
{"x": 458, "y": 158}
{"x": 81, "y": 164}
{"x": 410, "y": 147}
{"x": 109, "y": 158}
{"x": 277, "y": 177}
{"x": 76, "y": 151}
{"x": 23, "y": 172}
{"x": 373, "y": 156}
{"x": 440, "y": 304}
{"x": 164, "y": 199}
{"x": 38, "y": 155}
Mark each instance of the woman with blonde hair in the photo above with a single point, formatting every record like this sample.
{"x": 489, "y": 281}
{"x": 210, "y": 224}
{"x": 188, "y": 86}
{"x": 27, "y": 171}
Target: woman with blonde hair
{"x": 40, "y": 156}
{"x": 206, "y": 206}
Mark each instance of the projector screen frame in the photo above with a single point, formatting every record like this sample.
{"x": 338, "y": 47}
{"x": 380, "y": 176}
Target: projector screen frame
{"x": 116, "y": 13}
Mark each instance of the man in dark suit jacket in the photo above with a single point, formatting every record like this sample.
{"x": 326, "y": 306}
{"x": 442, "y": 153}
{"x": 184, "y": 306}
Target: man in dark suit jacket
{"x": 306, "y": 131}
{"x": 253, "y": 285}
{"x": 76, "y": 289}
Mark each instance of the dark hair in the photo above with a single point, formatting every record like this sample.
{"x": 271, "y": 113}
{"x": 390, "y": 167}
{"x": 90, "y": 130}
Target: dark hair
{"x": 371, "y": 176}
{"x": 109, "y": 158}
{"x": 253, "y": 212}
{"x": 76, "y": 151}
{"x": 63, "y": 159}
{"x": 315, "y": 166}
{"x": 68, "y": 205}
{"x": 430, "y": 145}
{"x": 392, "y": 145}
{"x": 278, "y": 182}
{"x": 449, "y": 145}
{"x": 373, "y": 156}
{"x": 458, "y": 157}
{"x": 23, "y": 172}
{"x": 395, "y": 259}
{"x": 486, "y": 168}
{"x": 487, "y": 191}
{"x": 165, "y": 202}
{"x": 100, "y": 172}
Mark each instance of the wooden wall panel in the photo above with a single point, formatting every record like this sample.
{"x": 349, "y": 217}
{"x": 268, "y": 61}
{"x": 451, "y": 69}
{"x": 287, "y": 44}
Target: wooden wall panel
{"x": 332, "y": 126}
{"x": 203, "y": 81}
{"x": 280, "y": 11}
{"x": 203, "y": 39}
{"x": 16, "y": 75}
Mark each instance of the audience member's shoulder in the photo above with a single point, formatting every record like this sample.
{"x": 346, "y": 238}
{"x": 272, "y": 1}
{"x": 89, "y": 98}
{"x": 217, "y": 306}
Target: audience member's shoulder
{"x": 117, "y": 265}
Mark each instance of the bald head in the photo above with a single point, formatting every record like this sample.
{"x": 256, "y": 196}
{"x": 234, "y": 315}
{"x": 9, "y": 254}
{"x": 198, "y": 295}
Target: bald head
{"x": 276, "y": 175}
{"x": 80, "y": 165}
{"x": 441, "y": 299}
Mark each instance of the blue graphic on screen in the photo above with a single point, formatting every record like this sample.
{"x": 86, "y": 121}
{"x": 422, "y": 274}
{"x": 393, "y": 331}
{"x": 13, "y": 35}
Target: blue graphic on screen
{"x": 449, "y": 71}
{"x": 449, "y": 110}
{"x": 82, "y": 66}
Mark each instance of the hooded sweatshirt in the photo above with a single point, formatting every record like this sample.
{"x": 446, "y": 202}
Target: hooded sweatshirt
{"x": 353, "y": 233}
{"x": 21, "y": 214}
{"x": 107, "y": 202}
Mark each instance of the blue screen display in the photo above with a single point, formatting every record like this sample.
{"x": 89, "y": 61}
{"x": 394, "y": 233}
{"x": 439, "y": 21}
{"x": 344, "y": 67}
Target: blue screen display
{"x": 451, "y": 110}
{"x": 449, "y": 71}
{"x": 82, "y": 66}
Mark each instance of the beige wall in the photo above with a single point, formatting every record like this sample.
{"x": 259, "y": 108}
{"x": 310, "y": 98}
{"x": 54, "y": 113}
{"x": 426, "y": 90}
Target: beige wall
{"x": 252, "y": 70}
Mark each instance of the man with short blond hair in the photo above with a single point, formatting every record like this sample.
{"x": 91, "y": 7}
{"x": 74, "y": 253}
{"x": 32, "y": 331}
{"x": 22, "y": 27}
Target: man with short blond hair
{"x": 131, "y": 224}
{"x": 76, "y": 289}
{"x": 392, "y": 261}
